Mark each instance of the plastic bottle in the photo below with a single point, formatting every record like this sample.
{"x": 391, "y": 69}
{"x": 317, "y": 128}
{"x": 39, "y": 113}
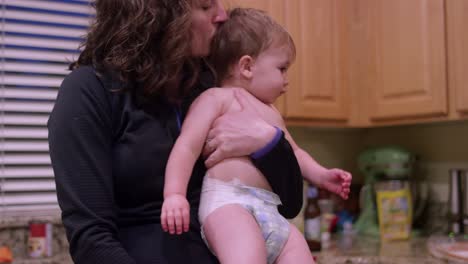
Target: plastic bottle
{"x": 312, "y": 219}
{"x": 327, "y": 217}
{"x": 346, "y": 239}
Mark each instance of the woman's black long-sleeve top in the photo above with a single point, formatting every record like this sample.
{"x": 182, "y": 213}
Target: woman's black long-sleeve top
{"x": 109, "y": 155}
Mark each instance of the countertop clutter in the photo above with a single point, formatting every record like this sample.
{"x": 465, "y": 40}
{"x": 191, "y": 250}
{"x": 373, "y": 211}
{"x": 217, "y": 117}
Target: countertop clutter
{"x": 14, "y": 236}
{"x": 350, "y": 249}
{"x": 366, "y": 249}
{"x": 361, "y": 250}
{"x": 56, "y": 259}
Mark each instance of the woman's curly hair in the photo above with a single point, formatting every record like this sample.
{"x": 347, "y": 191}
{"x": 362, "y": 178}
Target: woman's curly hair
{"x": 146, "y": 42}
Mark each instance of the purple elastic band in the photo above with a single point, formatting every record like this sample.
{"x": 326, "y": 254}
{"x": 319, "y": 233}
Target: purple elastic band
{"x": 261, "y": 152}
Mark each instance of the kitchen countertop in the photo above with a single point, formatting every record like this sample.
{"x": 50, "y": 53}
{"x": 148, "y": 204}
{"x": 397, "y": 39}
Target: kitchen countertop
{"x": 358, "y": 250}
{"x": 63, "y": 258}
{"x": 364, "y": 249}
{"x": 352, "y": 250}
{"x": 14, "y": 231}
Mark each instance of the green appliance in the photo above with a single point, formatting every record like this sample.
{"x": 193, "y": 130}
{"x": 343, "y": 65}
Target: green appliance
{"x": 379, "y": 164}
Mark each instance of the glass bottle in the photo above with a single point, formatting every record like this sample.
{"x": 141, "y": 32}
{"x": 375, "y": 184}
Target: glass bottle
{"x": 312, "y": 219}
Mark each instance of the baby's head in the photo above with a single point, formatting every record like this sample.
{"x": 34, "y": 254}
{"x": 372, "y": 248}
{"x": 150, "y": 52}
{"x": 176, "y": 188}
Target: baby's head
{"x": 248, "y": 32}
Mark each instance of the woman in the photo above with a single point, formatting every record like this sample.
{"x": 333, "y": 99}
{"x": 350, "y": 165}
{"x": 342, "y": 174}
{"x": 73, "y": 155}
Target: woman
{"x": 115, "y": 121}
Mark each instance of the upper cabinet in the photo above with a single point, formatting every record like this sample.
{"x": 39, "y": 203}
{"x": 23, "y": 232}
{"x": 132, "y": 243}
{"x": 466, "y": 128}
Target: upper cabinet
{"x": 318, "y": 79}
{"x": 457, "y": 38}
{"x": 404, "y": 67}
{"x": 365, "y": 63}
{"x": 272, "y": 7}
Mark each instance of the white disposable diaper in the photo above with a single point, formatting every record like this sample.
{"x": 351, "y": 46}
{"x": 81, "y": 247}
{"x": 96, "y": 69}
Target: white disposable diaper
{"x": 262, "y": 204}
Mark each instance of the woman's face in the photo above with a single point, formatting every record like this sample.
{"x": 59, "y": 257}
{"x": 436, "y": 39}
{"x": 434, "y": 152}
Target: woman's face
{"x": 206, "y": 17}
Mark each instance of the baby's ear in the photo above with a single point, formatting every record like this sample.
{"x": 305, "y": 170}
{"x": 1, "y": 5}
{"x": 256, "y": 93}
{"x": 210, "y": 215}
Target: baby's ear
{"x": 245, "y": 66}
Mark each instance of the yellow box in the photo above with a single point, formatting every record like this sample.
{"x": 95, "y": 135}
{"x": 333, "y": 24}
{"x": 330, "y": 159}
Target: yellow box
{"x": 395, "y": 213}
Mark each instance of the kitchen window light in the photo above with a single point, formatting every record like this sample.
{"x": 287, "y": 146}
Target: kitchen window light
{"x": 38, "y": 39}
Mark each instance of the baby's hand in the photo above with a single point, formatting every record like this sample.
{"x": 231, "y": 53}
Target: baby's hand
{"x": 336, "y": 181}
{"x": 175, "y": 216}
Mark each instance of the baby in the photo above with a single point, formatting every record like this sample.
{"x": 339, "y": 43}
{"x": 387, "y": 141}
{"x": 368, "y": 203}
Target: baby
{"x": 238, "y": 210}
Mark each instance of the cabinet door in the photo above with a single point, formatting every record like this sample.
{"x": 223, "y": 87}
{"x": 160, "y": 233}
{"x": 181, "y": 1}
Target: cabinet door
{"x": 275, "y": 9}
{"x": 457, "y": 21}
{"x": 270, "y": 6}
{"x": 318, "y": 79}
{"x": 407, "y": 63}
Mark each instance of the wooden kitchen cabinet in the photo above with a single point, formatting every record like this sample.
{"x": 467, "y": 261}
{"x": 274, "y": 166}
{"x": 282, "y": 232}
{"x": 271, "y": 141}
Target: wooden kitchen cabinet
{"x": 272, "y": 7}
{"x": 366, "y": 63}
{"x": 402, "y": 54}
{"x": 457, "y": 39}
{"x": 318, "y": 79}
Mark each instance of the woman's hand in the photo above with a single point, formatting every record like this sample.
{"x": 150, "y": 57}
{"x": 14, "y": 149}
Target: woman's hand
{"x": 175, "y": 214}
{"x": 237, "y": 134}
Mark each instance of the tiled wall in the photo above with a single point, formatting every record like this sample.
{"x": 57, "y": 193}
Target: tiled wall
{"x": 439, "y": 146}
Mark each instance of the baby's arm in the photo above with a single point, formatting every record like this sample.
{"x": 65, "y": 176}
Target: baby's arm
{"x": 333, "y": 180}
{"x": 203, "y": 111}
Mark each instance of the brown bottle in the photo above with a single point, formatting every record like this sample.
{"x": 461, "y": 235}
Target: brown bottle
{"x": 312, "y": 219}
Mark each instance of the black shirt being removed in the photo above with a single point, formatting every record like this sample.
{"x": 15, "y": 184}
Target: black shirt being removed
{"x": 109, "y": 156}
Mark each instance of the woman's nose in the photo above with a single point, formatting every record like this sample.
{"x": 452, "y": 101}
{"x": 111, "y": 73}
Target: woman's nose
{"x": 221, "y": 14}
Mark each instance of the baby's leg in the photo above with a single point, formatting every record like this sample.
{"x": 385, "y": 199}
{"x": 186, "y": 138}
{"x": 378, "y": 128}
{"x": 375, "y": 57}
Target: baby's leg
{"x": 234, "y": 236}
{"x": 295, "y": 250}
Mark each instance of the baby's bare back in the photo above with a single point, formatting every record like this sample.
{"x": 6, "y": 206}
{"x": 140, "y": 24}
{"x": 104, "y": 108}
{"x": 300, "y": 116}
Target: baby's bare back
{"x": 241, "y": 168}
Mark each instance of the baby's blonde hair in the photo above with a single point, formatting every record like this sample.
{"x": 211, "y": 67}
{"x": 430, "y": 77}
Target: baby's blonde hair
{"x": 248, "y": 31}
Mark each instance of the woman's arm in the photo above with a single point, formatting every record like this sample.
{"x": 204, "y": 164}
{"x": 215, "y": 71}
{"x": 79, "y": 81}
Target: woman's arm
{"x": 231, "y": 138}
{"x": 80, "y": 142}
{"x": 282, "y": 170}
